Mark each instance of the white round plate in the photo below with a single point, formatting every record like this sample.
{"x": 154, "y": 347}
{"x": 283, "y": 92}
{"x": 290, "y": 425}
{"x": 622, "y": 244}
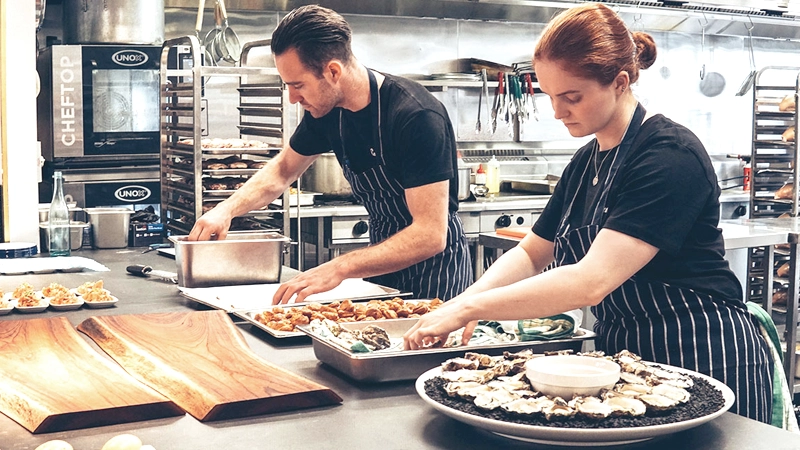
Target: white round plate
{"x": 106, "y": 304}
{"x": 583, "y": 437}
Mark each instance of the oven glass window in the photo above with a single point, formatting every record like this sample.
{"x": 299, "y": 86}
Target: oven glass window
{"x": 125, "y": 100}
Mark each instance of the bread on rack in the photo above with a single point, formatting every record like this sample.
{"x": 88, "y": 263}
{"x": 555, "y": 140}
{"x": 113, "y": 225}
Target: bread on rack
{"x": 215, "y": 184}
{"x": 780, "y": 297}
{"x": 787, "y": 103}
{"x": 238, "y": 165}
{"x": 785, "y": 192}
{"x": 788, "y": 135}
{"x": 256, "y": 164}
{"x": 783, "y": 270}
{"x": 236, "y": 183}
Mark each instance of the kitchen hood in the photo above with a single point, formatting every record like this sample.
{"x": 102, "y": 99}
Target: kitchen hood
{"x": 778, "y": 19}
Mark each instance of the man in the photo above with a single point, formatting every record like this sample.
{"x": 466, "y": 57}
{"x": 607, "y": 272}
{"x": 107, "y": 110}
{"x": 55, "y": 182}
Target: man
{"x": 396, "y": 146}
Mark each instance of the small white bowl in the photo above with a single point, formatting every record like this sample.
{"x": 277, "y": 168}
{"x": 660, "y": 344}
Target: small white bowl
{"x": 569, "y": 376}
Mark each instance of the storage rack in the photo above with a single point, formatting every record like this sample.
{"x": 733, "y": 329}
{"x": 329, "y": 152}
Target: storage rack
{"x": 774, "y": 163}
{"x": 184, "y": 181}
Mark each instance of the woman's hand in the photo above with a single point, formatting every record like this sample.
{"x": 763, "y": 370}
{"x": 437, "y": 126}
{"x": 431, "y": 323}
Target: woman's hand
{"x": 434, "y": 327}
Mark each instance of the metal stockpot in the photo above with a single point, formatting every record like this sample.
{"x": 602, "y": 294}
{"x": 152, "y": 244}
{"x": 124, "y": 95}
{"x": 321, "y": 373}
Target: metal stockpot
{"x": 113, "y": 22}
{"x": 463, "y": 183}
{"x": 325, "y": 176}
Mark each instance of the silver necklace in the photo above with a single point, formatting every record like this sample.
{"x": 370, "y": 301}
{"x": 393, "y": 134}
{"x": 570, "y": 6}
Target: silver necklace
{"x": 596, "y": 178}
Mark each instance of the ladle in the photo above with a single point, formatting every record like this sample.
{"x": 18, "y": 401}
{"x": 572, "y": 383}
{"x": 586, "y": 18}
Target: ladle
{"x": 748, "y": 81}
{"x": 711, "y": 83}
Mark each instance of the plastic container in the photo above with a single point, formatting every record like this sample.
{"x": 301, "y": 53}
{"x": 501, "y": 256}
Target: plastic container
{"x": 110, "y": 226}
{"x": 493, "y": 176}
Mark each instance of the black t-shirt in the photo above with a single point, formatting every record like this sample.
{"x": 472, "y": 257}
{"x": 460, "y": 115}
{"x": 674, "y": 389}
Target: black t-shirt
{"x": 666, "y": 194}
{"x": 419, "y": 145}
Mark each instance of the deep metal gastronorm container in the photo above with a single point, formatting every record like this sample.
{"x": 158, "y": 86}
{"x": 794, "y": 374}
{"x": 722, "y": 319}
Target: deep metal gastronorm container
{"x": 242, "y": 258}
{"x": 378, "y": 367}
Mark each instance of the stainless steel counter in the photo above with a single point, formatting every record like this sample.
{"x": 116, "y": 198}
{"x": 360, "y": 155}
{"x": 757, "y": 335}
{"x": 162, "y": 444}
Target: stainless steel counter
{"x": 391, "y": 415}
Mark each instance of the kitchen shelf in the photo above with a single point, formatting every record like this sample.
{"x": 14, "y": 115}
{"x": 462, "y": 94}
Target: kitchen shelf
{"x": 184, "y": 149}
{"x": 774, "y": 164}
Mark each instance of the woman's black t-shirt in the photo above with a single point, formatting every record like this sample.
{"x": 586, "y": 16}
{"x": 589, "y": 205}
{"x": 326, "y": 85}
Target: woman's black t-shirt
{"x": 419, "y": 145}
{"x": 666, "y": 194}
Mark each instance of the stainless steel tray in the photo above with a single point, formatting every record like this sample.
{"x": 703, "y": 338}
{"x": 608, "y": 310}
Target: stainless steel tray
{"x": 385, "y": 366}
{"x": 249, "y": 315}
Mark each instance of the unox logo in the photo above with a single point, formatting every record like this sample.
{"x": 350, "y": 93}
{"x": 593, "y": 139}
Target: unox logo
{"x": 129, "y": 58}
{"x": 132, "y": 193}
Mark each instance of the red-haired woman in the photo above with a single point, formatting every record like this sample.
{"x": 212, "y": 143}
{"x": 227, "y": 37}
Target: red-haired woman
{"x": 632, "y": 226}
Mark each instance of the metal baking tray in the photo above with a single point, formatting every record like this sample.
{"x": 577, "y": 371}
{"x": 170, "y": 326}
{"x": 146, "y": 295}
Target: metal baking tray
{"x": 377, "y": 367}
{"x": 249, "y": 315}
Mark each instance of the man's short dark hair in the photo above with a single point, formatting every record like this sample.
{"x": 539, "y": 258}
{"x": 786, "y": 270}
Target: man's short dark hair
{"x": 317, "y": 34}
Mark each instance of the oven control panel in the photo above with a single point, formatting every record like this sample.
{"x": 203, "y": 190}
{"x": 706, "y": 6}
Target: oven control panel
{"x": 349, "y": 230}
{"x": 491, "y": 221}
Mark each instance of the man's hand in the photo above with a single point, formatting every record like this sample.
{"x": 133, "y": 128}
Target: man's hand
{"x": 319, "y": 279}
{"x": 212, "y": 225}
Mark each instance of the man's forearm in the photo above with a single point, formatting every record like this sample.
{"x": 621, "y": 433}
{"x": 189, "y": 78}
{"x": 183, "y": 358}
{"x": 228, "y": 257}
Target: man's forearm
{"x": 406, "y": 248}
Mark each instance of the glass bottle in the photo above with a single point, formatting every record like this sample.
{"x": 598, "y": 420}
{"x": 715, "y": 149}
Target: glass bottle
{"x": 58, "y": 220}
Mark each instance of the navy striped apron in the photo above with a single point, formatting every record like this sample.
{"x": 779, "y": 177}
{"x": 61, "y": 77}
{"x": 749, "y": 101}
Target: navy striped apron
{"x": 444, "y": 275}
{"x": 670, "y": 324}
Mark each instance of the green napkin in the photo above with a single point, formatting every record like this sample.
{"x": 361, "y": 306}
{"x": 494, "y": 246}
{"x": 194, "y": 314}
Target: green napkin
{"x": 546, "y": 328}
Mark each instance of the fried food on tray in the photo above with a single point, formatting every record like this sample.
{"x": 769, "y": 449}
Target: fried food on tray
{"x": 54, "y": 290}
{"x": 97, "y": 295}
{"x": 89, "y": 286}
{"x": 63, "y": 298}
{"x": 22, "y": 290}
{"x": 28, "y": 299}
{"x": 285, "y": 319}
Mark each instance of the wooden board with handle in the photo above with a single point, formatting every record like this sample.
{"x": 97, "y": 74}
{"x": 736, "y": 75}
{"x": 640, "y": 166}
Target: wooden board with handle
{"x": 51, "y": 379}
{"x": 201, "y": 361}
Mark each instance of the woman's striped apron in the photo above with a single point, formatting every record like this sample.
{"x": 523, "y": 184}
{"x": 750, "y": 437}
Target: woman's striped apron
{"x": 669, "y": 324}
{"x": 444, "y": 275}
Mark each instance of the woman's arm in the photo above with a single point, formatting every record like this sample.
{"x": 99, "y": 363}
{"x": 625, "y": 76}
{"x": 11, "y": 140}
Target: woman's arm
{"x": 611, "y": 260}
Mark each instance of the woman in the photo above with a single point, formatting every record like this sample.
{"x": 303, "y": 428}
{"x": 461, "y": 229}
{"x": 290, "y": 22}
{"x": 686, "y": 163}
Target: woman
{"x": 632, "y": 226}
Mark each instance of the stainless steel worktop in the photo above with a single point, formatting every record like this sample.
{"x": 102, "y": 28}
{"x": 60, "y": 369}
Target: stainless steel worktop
{"x": 488, "y": 204}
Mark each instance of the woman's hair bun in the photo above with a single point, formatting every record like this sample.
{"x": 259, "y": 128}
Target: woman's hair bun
{"x": 645, "y": 49}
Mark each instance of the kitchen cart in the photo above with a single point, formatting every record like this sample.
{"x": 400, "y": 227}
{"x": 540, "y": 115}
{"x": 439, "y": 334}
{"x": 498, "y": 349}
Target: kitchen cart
{"x": 201, "y": 167}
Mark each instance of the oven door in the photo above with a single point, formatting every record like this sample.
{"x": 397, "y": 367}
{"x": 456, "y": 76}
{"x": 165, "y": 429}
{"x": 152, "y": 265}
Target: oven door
{"x": 121, "y": 100}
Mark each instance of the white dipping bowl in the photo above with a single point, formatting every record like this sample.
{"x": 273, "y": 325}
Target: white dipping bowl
{"x": 569, "y": 376}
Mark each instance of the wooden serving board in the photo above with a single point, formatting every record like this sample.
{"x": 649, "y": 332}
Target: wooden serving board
{"x": 51, "y": 379}
{"x": 201, "y": 361}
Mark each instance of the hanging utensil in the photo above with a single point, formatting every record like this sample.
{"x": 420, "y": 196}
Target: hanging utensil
{"x": 498, "y": 101}
{"x": 703, "y": 46}
{"x": 485, "y": 88}
{"x": 751, "y": 77}
{"x": 209, "y": 42}
{"x": 711, "y": 83}
{"x": 227, "y": 43}
{"x": 478, "y": 124}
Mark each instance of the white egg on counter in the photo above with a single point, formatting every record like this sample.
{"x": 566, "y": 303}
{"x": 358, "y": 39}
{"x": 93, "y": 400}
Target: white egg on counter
{"x": 123, "y": 442}
{"x": 55, "y": 445}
